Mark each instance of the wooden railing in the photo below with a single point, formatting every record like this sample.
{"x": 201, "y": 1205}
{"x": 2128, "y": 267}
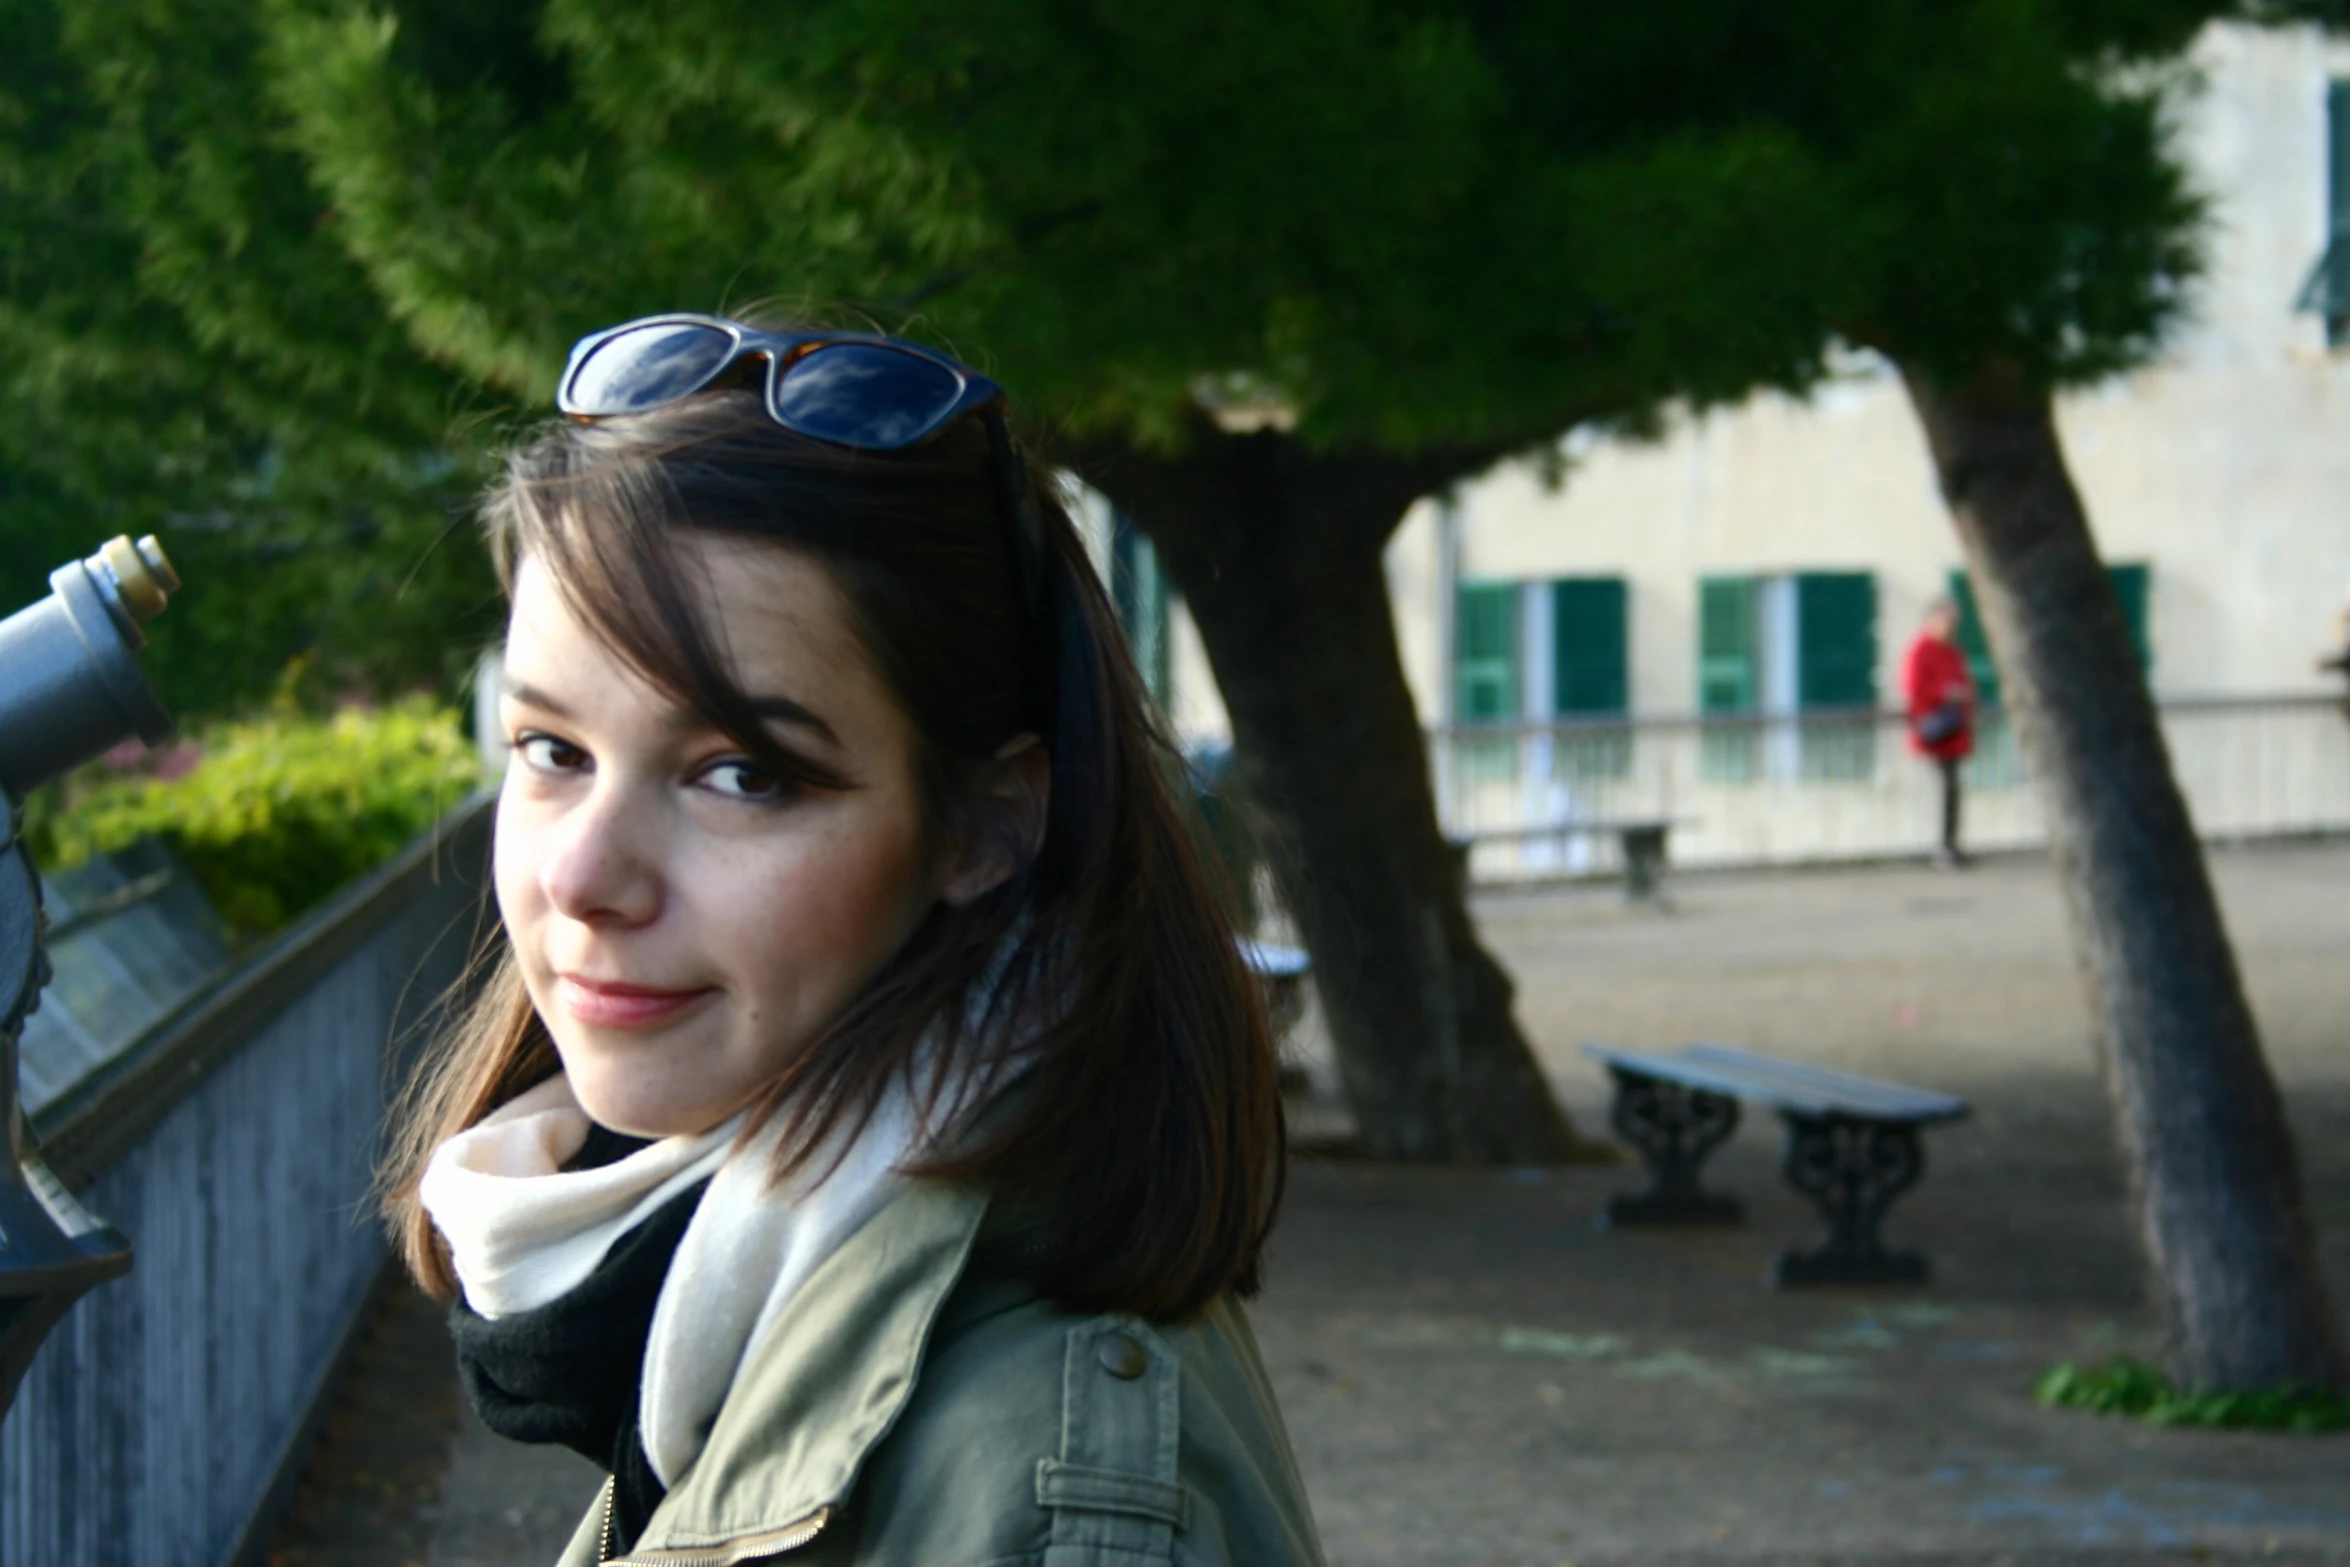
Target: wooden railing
{"x": 164, "y": 1420}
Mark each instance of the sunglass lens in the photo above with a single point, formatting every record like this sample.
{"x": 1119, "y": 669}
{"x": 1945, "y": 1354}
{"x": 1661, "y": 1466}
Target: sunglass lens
{"x": 865, "y": 394}
{"x": 645, "y": 367}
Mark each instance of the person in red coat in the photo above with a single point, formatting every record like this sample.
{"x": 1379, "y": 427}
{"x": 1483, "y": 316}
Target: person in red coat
{"x": 1941, "y": 696}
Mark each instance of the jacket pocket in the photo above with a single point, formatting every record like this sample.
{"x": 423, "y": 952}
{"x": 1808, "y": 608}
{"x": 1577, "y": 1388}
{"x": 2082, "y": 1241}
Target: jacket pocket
{"x": 1107, "y": 1491}
{"x": 1112, "y": 1489}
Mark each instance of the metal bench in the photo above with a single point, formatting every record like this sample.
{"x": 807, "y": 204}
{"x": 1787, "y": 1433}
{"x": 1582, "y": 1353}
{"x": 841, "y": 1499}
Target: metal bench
{"x": 1852, "y": 1148}
{"x": 1642, "y": 840}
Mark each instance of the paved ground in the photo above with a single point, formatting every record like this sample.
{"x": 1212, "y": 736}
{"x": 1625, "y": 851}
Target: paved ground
{"x": 1474, "y": 1375}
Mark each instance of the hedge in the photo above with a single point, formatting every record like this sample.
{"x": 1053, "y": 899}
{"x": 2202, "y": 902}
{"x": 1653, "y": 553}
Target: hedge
{"x": 280, "y": 811}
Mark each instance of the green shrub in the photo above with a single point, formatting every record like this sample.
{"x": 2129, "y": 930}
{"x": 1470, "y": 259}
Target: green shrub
{"x": 281, "y": 811}
{"x": 2131, "y": 1387}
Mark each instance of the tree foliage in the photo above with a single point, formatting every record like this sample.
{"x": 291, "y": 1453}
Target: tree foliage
{"x": 1337, "y": 204}
{"x": 184, "y": 351}
{"x": 280, "y": 274}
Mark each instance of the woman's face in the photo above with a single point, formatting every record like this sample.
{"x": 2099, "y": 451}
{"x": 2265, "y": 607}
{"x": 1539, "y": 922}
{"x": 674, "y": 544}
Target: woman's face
{"x": 684, "y": 923}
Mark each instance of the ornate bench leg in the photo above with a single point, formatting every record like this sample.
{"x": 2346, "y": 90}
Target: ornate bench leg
{"x": 1852, "y": 1170}
{"x": 1674, "y": 1128}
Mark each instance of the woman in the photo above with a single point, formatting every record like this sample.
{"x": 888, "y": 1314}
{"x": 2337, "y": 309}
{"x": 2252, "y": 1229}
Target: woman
{"x": 867, "y": 1129}
{"x": 1941, "y": 699}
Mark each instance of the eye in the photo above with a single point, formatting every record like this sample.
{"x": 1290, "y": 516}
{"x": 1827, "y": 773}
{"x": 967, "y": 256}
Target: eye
{"x": 546, "y": 754}
{"x": 740, "y": 780}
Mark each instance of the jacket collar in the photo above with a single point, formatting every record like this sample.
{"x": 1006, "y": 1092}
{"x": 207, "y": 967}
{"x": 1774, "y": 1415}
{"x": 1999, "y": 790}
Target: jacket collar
{"x": 822, "y": 1388}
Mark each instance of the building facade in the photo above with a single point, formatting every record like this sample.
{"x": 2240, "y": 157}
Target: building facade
{"x": 1780, "y": 553}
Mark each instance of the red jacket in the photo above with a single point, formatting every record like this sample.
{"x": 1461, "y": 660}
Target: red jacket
{"x": 1934, "y": 672}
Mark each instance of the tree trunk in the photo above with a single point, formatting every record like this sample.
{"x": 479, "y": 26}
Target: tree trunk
{"x": 1277, "y": 552}
{"x": 2203, "y": 1134}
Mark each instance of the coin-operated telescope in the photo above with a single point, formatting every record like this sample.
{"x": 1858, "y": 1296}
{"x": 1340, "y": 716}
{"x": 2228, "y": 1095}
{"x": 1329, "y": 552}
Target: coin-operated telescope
{"x": 70, "y": 689}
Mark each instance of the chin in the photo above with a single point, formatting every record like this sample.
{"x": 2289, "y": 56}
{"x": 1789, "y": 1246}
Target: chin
{"x": 639, "y": 1111}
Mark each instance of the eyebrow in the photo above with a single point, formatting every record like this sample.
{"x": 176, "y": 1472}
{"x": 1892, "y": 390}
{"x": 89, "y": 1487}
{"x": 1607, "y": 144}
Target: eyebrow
{"x": 770, "y": 709}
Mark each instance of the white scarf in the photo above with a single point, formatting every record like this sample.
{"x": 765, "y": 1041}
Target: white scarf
{"x": 522, "y": 1231}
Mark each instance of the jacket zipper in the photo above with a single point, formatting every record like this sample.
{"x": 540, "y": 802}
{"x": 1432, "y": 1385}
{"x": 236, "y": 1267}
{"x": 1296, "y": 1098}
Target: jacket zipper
{"x": 748, "y": 1548}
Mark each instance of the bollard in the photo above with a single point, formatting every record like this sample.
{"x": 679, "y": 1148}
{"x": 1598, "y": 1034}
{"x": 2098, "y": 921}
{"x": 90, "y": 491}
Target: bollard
{"x": 70, "y": 689}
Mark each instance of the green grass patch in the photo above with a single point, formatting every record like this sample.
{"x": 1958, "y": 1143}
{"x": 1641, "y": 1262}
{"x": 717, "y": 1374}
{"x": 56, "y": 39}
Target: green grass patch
{"x": 2123, "y": 1386}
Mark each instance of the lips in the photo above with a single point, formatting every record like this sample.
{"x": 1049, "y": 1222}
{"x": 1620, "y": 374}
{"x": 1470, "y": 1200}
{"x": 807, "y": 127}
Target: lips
{"x": 604, "y": 1003}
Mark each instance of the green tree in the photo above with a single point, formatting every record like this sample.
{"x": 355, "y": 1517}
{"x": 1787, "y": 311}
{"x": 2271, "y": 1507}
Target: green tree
{"x": 180, "y": 353}
{"x": 2076, "y": 263}
{"x": 1330, "y": 206}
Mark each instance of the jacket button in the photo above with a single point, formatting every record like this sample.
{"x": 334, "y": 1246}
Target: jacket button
{"x": 1121, "y": 1357}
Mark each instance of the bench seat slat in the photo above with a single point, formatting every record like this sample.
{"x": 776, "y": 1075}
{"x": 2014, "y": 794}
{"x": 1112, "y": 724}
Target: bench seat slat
{"x": 1800, "y": 1075}
{"x": 1786, "y": 1085}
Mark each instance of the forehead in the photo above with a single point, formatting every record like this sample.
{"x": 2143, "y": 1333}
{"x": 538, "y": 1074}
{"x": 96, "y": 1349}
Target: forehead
{"x": 774, "y": 617}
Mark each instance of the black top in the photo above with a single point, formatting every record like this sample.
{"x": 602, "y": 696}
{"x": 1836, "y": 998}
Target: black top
{"x": 569, "y": 1371}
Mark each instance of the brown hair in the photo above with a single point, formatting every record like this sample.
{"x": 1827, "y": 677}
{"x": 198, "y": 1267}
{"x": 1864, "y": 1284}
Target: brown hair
{"x": 1146, "y": 1124}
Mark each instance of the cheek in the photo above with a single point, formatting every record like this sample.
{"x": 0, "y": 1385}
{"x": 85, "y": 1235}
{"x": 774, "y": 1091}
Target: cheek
{"x": 513, "y": 863}
{"x": 852, "y": 896}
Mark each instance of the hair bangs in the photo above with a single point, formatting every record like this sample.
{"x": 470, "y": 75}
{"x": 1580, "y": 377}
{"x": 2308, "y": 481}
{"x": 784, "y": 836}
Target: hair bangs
{"x": 607, "y": 534}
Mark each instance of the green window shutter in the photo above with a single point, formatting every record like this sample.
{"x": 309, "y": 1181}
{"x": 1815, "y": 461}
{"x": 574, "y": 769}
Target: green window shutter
{"x": 1589, "y": 661}
{"x": 2338, "y": 155}
{"x": 1725, "y": 645}
{"x": 2131, "y": 584}
{"x": 2327, "y": 288}
{"x": 1972, "y": 642}
{"x": 1485, "y": 651}
{"x": 1836, "y": 639}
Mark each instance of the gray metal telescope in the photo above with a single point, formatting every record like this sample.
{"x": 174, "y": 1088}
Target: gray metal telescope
{"x": 70, "y": 690}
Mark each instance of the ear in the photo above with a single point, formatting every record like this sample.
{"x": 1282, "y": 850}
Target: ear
{"x": 1014, "y": 800}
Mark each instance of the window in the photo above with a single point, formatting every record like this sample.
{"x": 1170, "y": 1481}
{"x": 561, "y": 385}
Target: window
{"x": 1536, "y": 650}
{"x": 1836, "y": 671}
{"x": 1485, "y": 652}
{"x": 1138, "y": 590}
{"x": 2327, "y": 289}
{"x": 1725, "y": 645}
{"x": 1726, "y": 660}
{"x": 1590, "y": 661}
{"x": 1590, "y": 667}
{"x": 1788, "y": 645}
{"x": 1836, "y": 639}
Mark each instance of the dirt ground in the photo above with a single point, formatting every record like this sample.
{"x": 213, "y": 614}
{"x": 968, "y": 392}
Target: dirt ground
{"x": 1474, "y": 1374}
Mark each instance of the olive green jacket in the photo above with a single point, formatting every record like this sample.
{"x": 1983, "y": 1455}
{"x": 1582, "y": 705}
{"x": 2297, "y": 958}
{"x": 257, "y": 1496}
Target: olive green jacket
{"x": 919, "y": 1404}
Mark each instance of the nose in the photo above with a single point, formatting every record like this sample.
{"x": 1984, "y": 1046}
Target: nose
{"x": 600, "y": 863}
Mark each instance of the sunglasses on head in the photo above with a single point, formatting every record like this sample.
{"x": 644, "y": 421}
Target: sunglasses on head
{"x": 874, "y": 394}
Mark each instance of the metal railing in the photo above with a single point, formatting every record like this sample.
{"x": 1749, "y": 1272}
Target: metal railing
{"x": 234, "y": 1142}
{"x": 1769, "y": 789}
